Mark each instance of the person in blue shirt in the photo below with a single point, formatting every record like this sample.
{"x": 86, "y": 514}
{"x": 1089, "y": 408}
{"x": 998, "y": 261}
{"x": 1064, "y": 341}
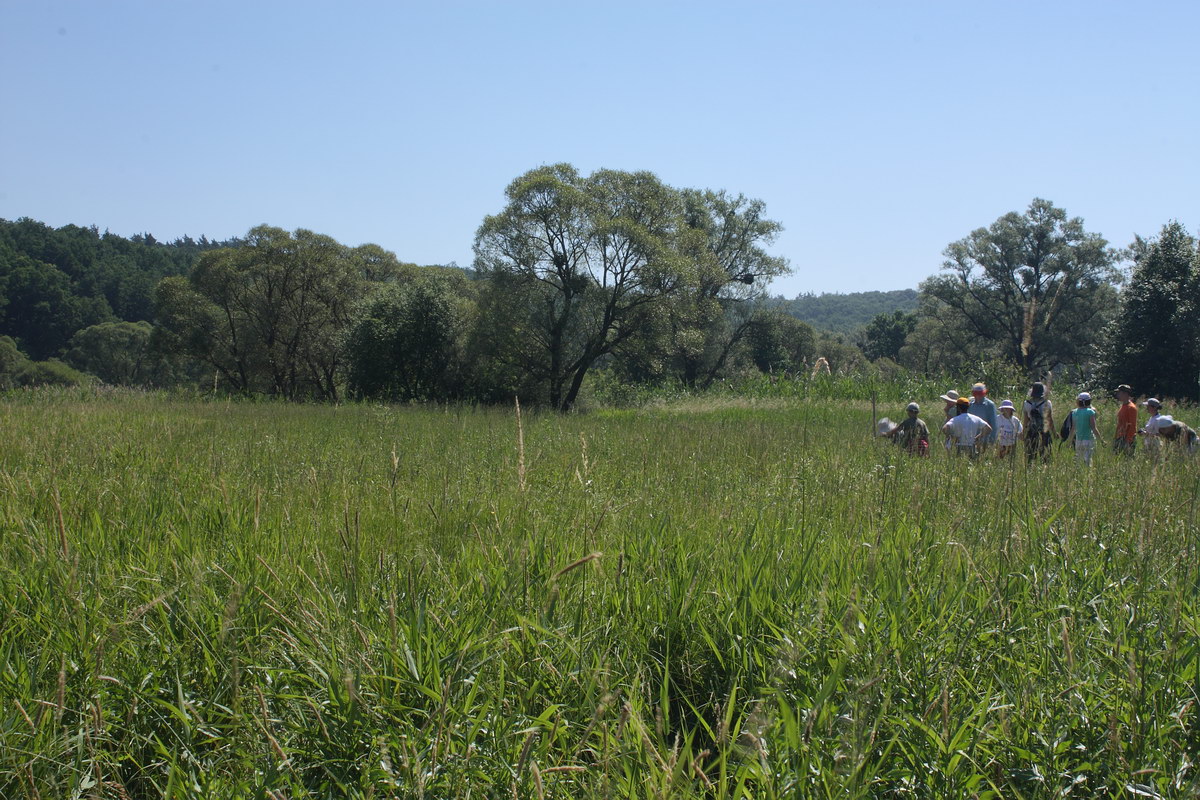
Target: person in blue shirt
{"x": 1083, "y": 428}
{"x": 985, "y": 409}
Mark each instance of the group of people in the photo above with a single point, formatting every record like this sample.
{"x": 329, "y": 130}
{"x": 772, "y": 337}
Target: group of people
{"x": 978, "y": 426}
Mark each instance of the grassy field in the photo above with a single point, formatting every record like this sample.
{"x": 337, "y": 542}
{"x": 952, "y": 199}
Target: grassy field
{"x": 726, "y": 598}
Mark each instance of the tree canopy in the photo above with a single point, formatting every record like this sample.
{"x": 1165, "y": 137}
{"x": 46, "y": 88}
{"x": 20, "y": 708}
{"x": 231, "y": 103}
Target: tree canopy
{"x": 583, "y": 263}
{"x": 613, "y": 270}
{"x": 1153, "y": 343}
{"x": 268, "y": 315}
{"x": 1037, "y": 284}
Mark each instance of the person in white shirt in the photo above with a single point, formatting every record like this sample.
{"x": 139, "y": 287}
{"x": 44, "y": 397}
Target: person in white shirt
{"x": 966, "y": 429}
{"x": 1150, "y": 430}
{"x": 1176, "y": 435}
{"x": 951, "y": 411}
{"x": 1008, "y": 430}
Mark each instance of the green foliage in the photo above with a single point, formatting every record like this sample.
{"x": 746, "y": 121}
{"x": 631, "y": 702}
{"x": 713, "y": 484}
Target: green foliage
{"x": 115, "y": 352}
{"x": 55, "y": 282}
{"x": 781, "y": 343}
{"x": 941, "y": 343}
{"x": 1037, "y": 285}
{"x": 11, "y": 359}
{"x": 17, "y": 370}
{"x": 884, "y": 336}
{"x": 846, "y": 313}
{"x": 582, "y": 263}
{"x": 708, "y": 319}
{"x": 1153, "y": 345}
{"x": 723, "y": 597}
{"x": 51, "y": 372}
{"x": 41, "y": 312}
{"x": 269, "y": 315}
{"x": 841, "y": 354}
{"x": 408, "y": 340}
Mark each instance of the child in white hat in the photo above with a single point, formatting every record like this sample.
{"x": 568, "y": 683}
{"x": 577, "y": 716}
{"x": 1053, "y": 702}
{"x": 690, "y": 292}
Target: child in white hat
{"x": 1083, "y": 428}
{"x": 1008, "y": 430}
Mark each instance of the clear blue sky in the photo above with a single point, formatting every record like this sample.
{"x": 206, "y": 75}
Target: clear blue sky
{"x": 876, "y": 133}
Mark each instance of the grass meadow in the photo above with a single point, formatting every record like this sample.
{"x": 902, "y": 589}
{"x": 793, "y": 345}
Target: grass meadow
{"x": 716, "y": 598}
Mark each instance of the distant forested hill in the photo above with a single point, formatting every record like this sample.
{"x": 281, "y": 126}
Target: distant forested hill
{"x": 843, "y": 313}
{"x": 56, "y": 282}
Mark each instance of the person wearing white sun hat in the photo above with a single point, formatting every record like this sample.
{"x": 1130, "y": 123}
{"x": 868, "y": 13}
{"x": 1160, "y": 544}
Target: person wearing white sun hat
{"x": 1083, "y": 428}
{"x": 1008, "y": 430}
{"x": 950, "y": 409}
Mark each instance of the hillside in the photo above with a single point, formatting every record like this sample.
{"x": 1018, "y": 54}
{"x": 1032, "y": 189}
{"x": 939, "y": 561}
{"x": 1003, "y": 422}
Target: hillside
{"x": 843, "y": 313}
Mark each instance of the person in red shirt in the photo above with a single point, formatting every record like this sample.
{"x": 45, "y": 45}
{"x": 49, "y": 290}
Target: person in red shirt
{"x": 1126, "y": 438}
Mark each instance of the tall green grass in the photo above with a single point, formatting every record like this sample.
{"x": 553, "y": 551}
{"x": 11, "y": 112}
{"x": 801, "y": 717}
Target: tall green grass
{"x": 719, "y": 597}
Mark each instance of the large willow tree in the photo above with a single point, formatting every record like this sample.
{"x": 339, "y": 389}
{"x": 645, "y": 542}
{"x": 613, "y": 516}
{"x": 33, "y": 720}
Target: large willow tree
{"x": 582, "y": 264}
{"x": 1035, "y": 285}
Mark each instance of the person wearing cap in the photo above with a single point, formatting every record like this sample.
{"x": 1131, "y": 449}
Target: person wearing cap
{"x": 1083, "y": 428}
{"x": 1037, "y": 417}
{"x": 1150, "y": 430}
{"x": 1008, "y": 430}
{"x": 1172, "y": 432}
{"x": 1125, "y": 438}
{"x": 951, "y": 411}
{"x": 985, "y": 409}
{"x": 912, "y": 434}
{"x": 966, "y": 429}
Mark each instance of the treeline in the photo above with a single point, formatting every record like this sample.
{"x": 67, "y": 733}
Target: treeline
{"x": 76, "y": 296}
{"x": 848, "y": 312}
{"x": 612, "y": 275}
{"x": 1038, "y": 291}
{"x": 613, "y": 271}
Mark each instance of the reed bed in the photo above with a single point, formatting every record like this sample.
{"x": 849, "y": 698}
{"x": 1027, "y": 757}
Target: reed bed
{"x": 722, "y": 599}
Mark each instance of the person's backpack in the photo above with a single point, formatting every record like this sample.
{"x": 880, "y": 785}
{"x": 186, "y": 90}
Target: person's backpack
{"x": 1037, "y": 420}
{"x": 1064, "y": 432}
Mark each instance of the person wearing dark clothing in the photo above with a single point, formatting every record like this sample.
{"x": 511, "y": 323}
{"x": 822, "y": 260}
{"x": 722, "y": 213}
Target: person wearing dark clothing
{"x": 1038, "y": 420}
{"x": 912, "y": 434}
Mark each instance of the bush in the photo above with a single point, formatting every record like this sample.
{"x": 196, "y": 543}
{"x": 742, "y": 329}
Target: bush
{"x": 51, "y": 372}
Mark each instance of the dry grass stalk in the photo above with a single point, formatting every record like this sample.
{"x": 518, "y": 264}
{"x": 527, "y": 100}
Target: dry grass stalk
{"x": 520, "y": 447}
{"x": 575, "y": 565}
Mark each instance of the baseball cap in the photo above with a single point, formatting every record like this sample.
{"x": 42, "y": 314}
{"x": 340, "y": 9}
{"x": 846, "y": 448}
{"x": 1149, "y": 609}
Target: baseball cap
{"x": 1153, "y": 402}
{"x": 912, "y": 407}
{"x": 962, "y": 402}
{"x": 950, "y": 396}
{"x": 1083, "y": 397}
{"x": 1124, "y": 387}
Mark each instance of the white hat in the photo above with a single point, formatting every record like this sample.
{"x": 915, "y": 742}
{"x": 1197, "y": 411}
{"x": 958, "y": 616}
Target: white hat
{"x": 950, "y": 396}
{"x": 1163, "y": 421}
{"x": 912, "y": 407}
{"x": 1152, "y": 402}
{"x": 1007, "y": 404}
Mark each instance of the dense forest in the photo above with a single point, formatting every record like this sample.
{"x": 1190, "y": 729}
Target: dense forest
{"x": 582, "y": 281}
{"x": 845, "y": 312}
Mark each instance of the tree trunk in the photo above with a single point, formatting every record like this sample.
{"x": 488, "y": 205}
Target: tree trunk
{"x": 573, "y": 391}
